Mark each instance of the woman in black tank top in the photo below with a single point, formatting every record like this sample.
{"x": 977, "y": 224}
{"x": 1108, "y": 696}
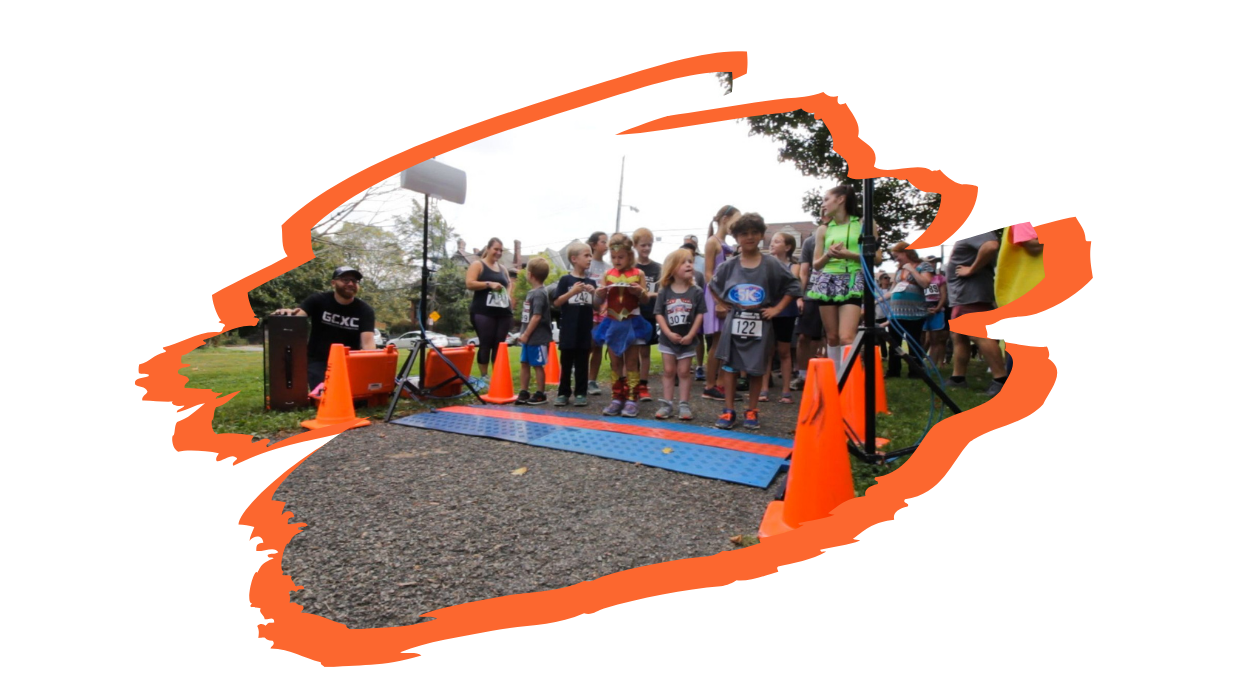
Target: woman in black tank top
{"x": 492, "y": 302}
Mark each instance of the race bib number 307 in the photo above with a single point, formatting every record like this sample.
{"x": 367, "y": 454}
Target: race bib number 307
{"x": 746, "y": 324}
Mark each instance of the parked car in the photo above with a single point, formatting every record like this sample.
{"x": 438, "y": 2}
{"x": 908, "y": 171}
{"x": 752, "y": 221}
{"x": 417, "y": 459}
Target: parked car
{"x": 407, "y": 341}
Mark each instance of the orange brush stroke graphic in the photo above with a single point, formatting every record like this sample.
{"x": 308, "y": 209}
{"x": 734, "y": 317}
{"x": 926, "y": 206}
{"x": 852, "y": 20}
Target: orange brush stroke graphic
{"x": 334, "y": 644}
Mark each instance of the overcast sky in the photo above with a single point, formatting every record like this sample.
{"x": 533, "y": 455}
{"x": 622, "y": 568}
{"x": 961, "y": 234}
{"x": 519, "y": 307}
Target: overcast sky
{"x": 552, "y": 181}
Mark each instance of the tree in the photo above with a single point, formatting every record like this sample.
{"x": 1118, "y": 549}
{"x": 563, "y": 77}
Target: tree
{"x": 900, "y": 207}
{"x": 451, "y": 299}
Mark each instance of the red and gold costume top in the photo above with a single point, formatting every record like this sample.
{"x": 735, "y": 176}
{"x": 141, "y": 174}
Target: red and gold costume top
{"x": 623, "y": 302}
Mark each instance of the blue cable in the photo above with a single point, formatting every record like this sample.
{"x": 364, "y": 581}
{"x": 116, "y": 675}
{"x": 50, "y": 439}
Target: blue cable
{"x": 915, "y": 349}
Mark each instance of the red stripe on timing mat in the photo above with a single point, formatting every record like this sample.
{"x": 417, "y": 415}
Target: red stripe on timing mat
{"x": 644, "y": 431}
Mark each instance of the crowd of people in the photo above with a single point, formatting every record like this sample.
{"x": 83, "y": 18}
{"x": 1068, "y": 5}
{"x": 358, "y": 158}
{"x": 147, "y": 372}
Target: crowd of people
{"x": 723, "y": 316}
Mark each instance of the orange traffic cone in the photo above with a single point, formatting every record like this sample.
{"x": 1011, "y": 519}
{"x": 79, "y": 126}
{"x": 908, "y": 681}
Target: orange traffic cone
{"x": 336, "y": 406}
{"x": 501, "y": 390}
{"x": 819, "y": 477}
{"x": 881, "y": 392}
{"x": 853, "y": 400}
{"x": 552, "y": 373}
{"x": 853, "y": 397}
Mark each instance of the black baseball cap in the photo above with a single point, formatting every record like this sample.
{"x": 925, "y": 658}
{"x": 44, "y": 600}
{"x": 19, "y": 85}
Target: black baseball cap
{"x": 346, "y": 270}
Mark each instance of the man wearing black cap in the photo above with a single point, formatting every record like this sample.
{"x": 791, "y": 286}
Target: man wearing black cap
{"x": 336, "y": 317}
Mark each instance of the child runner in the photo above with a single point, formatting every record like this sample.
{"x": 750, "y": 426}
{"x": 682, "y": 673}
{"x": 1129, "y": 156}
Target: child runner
{"x": 680, "y": 314}
{"x": 715, "y": 252}
{"x": 623, "y": 326}
{"x": 782, "y": 246}
{"x": 535, "y": 333}
{"x": 576, "y": 298}
{"x": 598, "y": 242}
{"x": 744, "y": 286}
{"x": 652, "y": 275}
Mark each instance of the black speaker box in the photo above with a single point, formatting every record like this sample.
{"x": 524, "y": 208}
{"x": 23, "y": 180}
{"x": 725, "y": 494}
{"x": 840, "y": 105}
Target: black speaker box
{"x": 284, "y": 363}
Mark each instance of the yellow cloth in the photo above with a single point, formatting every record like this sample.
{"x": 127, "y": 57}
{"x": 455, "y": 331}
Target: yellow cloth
{"x": 1018, "y": 271}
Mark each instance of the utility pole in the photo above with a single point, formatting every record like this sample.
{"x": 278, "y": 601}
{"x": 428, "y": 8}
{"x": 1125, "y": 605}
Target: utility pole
{"x": 617, "y": 228}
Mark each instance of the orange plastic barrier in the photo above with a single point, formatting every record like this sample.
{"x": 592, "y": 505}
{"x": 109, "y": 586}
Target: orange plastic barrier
{"x": 501, "y": 390}
{"x": 551, "y": 374}
{"x": 336, "y": 406}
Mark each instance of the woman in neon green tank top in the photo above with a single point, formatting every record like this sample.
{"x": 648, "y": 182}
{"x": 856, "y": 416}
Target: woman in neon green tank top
{"x": 837, "y": 283}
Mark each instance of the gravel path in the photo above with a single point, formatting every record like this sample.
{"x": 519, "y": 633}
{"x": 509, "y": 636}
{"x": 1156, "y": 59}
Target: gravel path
{"x": 401, "y": 521}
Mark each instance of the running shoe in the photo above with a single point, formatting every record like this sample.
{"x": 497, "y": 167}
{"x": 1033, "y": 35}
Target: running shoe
{"x": 684, "y": 411}
{"x": 592, "y": 388}
{"x": 994, "y": 388}
{"x": 523, "y": 399}
{"x": 579, "y": 401}
{"x": 951, "y": 383}
{"x": 629, "y": 409}
{"x": 561, "y": 400}
{"x": 726, "y": 421}
{"x": 613, "y": 408}
{"x": 665, "y": 411}
{"x": 537, "y": 399}
{"x": 641, "y": 392}
{"x": 798, "y": 384}
{"x": 700, "y": 373}
{"x": 715, "y": 393}
{"x": 750, "y": 420}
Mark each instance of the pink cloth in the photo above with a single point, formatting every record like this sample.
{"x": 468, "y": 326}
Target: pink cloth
{"x": 1022, "y": 233}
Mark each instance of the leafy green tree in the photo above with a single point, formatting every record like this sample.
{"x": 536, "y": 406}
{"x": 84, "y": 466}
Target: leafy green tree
{"x": 451, "y": 299}
{"x": 291, "y": 288}
{"x": 900, "y": 208}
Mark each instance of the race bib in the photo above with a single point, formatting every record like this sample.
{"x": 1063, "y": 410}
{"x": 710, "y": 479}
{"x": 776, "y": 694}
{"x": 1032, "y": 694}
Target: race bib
{"x": 901, "y": 287}
{"x": 497, "y": 299}
{"x": 746, "y": 324}
{"x": 525, "y": 313}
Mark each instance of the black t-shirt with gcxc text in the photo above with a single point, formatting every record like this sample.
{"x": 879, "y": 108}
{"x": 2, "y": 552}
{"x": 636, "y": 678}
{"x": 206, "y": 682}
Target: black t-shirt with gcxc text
{"x": 334, "y": 322}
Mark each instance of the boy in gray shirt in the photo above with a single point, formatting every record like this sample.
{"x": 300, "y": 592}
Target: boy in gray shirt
{"x": 753, "y": 288}
{"x": 536, "y": 334}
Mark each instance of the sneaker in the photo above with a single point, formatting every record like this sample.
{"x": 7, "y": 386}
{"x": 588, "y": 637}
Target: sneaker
{"x": 580, "y": 401}
{"x": 951, "y": 383}
{"x": 629, "y": 409}
{"x": 726, "y": 421}
{"x": 750, "y": 420}
{"x": 714, "y": 393}
{"x": 641, "y": 392}
{"x": 592, "y": 388}
{"x": 684, "y": 411}
{"x": 614, "y": 408}
{"x": 700, "y": 373}
{"x": 537, "y": 399}
{"x": 665, "y": 411}
{"x": 798, "y": 384}
{"x": 522, "y": 399}
{"x": 561, "y": 400}
{"x": 994, "y": 387}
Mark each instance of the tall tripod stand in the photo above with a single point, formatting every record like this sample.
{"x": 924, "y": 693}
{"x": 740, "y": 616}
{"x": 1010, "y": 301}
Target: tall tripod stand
{"x": 864, "y": 347}
{"x": 403, "y": 380}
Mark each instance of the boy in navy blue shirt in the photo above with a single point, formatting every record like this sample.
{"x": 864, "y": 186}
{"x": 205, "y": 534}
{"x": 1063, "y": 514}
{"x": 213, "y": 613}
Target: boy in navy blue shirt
{"x": 576, "y": 301}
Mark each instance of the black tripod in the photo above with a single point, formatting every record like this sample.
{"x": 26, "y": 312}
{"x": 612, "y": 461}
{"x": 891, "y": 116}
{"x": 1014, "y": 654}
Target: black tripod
{"x": 863, "y": 446}
{"x": 404, "y": 380}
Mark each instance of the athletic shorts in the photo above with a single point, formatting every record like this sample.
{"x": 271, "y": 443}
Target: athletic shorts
{"x": 752, "y": 373}
{"x": 809, "y": 323}
{"x": 783, "y": 328}
{"x": 965, "y": 309}
{"x": 534, "y": 355}
{"x": 686, "y": 353}
{"x": 934, "y": 322}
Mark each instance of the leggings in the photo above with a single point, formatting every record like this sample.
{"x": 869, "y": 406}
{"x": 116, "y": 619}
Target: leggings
{"x": 491, "y": 330}
{"x": 574, "y": 362}
{"x": 913, "y": 330}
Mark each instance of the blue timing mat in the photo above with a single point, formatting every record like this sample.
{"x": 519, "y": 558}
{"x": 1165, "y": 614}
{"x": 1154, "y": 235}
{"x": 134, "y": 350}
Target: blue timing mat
{"x": 674, "y": 425}
{"x": 699, "y": 460}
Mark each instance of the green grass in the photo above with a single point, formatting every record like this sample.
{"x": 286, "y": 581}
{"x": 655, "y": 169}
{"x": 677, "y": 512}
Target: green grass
{"x": 225, "y": 371}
